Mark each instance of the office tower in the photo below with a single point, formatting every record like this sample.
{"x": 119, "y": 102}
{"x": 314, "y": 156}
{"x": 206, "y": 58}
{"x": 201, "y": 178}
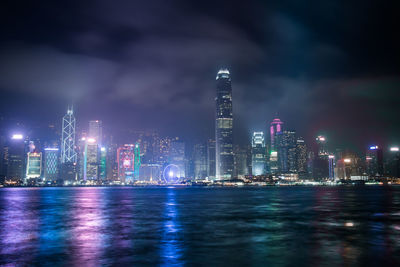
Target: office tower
{"x": 96, "y": 131}
{"x": 2, "y": 159}
{"x": 350, "y": 166}
{"x": 68, "y": 154}
{"x": 200, "y": 161}
{"x": 392, "y": 168}
{"x": 322, "y": 150}
{"x": 242, "y": 157}
{"x": 34, "y": 165}
{"x": 273, "y": 162}
{"x": 258, "y": 154}
{"x": 103, "y": 164}
{"x": 80, "y": 150}
{"x": 51, "y": 164}
{"x": 177, "y": 157}
{"x": 137, "y": 162}
{"x": 91, "y": 156}
{"x": 211, "y": 164}
{"x": 275, "y": 128}
{"x": 150, "y": 148}
{"x": 111, "y": 162}
{"x": 162, "y": 151}
{"x": 224, "y": 126}
{"x": 126, "y": 163}
{"x": 301, "y": 157}
{"x": 310, "y": 164}
{"x": 285, "y": 144}
{"x": 331, "y": 163}
{"x": 321, "y": 159}
{"x": 374, "y": 161}
{"x": 15, "y": 158}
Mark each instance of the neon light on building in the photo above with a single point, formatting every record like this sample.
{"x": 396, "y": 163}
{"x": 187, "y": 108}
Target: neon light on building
{"x": 126, "y": 163}
{"x": 275, "y": 128}
{"x": 17, "y": 136}
{"x": 51, "y": 163}
{"x": 34, "y": 165}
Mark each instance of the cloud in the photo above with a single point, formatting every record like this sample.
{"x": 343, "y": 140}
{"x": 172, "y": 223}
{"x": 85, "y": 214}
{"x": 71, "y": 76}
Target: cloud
{"x": 45, "y": 71}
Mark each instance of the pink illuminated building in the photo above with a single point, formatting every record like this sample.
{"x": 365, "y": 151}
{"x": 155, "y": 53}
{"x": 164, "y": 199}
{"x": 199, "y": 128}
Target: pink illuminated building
{"x": 126, "y": 163}
{"x": 275, "y": 128}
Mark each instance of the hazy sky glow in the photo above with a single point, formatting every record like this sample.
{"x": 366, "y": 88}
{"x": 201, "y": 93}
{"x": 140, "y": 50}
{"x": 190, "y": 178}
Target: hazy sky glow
{"x": 324, "y": 66}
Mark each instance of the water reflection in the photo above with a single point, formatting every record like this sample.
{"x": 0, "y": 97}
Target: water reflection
{"x": 86, "y": 226}
{"x": 171, "y": 245}
{"x": 19, "y": 225}
{"x": 198, "y": 226}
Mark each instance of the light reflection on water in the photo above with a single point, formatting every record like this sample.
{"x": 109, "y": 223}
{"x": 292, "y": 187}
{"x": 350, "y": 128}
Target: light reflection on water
{"x": 205, "y": 226}
{"x": 171, "y": 246}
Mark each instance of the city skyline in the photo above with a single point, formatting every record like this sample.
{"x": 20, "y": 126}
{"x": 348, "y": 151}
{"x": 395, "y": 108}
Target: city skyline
{"x": 199, "y": 133}
{"x": 318, "y": 76}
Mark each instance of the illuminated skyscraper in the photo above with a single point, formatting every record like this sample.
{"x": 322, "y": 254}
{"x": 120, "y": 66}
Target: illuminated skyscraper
{"x": 374, "y": 161}
{"x": 96, "y": 131}
{"x": 103, "y": 164}
{"x": 331, "y": 163}
{"x": 322, "y": 150}
{"x": 224, "y": 126}
{"x": 286, "y": 148}
{"x": 126, "y": 163}
{"x": 273, "y": 162}
{"x": 91, "y": 160}
{"x": 242, "y": 157}
{"x": 392, "y": 167}
{"x": 275, "y": 128}
{"x": 301, "y": 157}
{"x": 15, "y": 158}
{"x": 321, "y": 160}
{"x": 200, "y": 161}
{"x": 211, "y": 159}
{"x": 137, "y": 162}
{"x": 51, "y": 164}
{"x": 68, "y": 154}
{"x": 34, "y": 165}
{"x": 177, "y": 157}
{"x": 258, "y": 154}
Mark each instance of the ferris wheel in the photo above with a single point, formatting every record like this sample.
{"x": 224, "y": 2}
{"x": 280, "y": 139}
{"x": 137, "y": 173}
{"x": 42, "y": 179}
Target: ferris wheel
{"x": 171, "y": 174}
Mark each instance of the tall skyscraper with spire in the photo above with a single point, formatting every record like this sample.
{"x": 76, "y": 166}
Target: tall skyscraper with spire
{"x": 224, "y": 126}
{"x": 68, "y": 154}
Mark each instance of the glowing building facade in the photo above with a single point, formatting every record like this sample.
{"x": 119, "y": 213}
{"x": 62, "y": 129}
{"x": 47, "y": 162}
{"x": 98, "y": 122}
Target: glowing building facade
{"x": 258, "y": 151}
{"x": 275, "y": 128}
{"x": 301, "y": 157}
{"x": 138, "y": 162}
{"x": 200, "y": 161}
{"x": 34, "y": 165}
{"x": 103, "y": 164}
{"x": 374, "y": 161}
{"x": 286, "y": 148}
{"x": 177, "y": 157}
{"x": 224, "y": 126}
{"x": 51, "y": 164}
{"x": 126, "y": 163}
{"x": 321, "y": 161}
{"x": 15, "y": 158}
{"x": 91, "y": 155}
{"x": 211, "y": 159}
{"x": 68, "y": 154}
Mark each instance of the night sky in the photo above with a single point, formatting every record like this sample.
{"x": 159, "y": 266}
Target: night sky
{"x": 327, "y": 67}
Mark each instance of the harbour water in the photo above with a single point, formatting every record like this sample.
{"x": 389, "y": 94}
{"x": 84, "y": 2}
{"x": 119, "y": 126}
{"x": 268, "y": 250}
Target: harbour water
{"x": 274, "y": 226}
